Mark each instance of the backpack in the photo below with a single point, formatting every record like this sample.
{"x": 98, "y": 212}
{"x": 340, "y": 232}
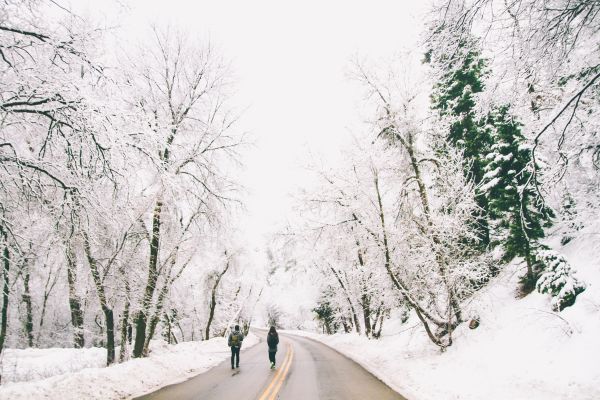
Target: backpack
{"x": 235, "y": 339}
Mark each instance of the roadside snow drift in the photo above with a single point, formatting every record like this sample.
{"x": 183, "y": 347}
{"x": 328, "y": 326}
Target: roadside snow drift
{"x": 165, "y": 365}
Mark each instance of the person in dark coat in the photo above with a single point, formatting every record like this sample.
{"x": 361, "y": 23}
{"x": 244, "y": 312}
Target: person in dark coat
{"x": 272, "y": 342}
{"x": 235, "y": 342}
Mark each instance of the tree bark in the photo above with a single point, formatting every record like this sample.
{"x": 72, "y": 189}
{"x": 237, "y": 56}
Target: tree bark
{"x": 168, "y": 324}
{"x": 365, "y": 298}
{"x": 347, "y": 328}
{"x": 74, "y": 301}
{"x": 366, "y": 306}
{"x": 101, "y": 292}
{"x": 378, "y": 318}
{"x": 156, "y": 317}
{"x": 142, "y": 315}
{"x": 213, "y": 298}
{"x": 47, "y": 290}
{"x": 421, "y": 313}
{"x": 162, "y": 295}
{"x": 453, "y": 303}
{"x": 5, "y": 289}
{"x": 125, "y": 324}
{"x": 28, "y": 310}
{"x": 530, "y": 279}
{"x": 354, "y": 315}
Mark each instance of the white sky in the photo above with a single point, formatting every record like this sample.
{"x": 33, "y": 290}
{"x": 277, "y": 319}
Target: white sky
{"x": 290, "y": 60}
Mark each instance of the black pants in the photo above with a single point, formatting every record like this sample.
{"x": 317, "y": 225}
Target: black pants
{"x": 272, "y": 356}
{"x": 235, "y": 356}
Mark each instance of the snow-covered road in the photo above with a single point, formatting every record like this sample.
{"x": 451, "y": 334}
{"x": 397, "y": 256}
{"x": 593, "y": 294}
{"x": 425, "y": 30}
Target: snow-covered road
{"x": 306, "y": 370}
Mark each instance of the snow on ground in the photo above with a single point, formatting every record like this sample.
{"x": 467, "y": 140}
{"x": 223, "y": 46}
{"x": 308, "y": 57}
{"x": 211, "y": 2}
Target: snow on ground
{"x": 521, "y": 350}
{"x": 19, "y": 365}
{"x": 78, "y": 374}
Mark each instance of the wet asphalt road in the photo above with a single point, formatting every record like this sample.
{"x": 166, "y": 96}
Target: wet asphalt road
{"x": 306, "y": 370}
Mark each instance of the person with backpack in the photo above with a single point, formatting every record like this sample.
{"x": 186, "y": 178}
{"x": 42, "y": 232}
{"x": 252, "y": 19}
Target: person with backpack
{"x": 235, "y": 342}
{"x": 272, "y": 342}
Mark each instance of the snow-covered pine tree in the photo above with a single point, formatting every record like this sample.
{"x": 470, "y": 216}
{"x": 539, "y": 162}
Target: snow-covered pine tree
{"x": 517, "y": 217}
{"x": 325, "y": 313}
{"x": 558, "y": 280}
{"x": 461, "y": 78}
{"x": 569, "y": 218}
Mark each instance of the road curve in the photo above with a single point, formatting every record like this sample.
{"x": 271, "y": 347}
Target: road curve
{"x": 306, "y": 370}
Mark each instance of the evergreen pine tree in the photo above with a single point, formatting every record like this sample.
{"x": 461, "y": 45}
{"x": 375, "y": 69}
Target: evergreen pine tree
{"x": 518, "y": 218}
{"x": 558, "y": 280}
{"x": 570, "y": 221}
{"x": 325, "y": 313}
{"x": 454, "y": 98}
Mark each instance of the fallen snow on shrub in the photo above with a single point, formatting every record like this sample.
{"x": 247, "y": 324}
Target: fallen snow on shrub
{"x": 558, "y": 280}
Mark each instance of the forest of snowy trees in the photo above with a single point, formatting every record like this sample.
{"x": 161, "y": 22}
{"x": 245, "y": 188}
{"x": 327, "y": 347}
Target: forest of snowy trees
{"x": 117, "y": 187}
{"x": 430, "y": 205}
{"x": 120, "y": 192}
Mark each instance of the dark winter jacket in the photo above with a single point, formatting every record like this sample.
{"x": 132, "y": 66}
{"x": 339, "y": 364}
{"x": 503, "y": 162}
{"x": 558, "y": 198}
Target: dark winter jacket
{"x": 235, "y": 339}
{"x": 272, "y": 342}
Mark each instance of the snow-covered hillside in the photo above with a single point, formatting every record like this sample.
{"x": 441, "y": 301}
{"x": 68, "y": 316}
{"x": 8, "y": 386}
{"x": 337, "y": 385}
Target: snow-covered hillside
{"x": 521, "y": 350}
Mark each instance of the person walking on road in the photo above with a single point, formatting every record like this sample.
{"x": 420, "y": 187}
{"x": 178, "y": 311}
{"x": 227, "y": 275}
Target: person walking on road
{"x": 235, "y": 342}
{"x": 272, "y": 342}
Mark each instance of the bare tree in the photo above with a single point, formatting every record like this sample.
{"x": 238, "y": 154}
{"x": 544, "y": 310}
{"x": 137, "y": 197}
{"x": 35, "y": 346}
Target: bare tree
{"x": 183, "y": 101}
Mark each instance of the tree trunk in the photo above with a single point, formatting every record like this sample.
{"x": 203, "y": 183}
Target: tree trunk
{"x": 156, "y": 317}
{"x": 347, "y": 328}
{"x": 140, "y": 334}
{"x": 354, "y": 314}
{"x": 100, "y": 291}
{"x": 365, "y": 298}
{"x": 425, "y": 202}
{"x": 74, "y": 301}
{"x": 453, "y": 304}
{"x": 530, "y": 277}
{"x": 421, "y": 313}
{"x": 5, "y": 288}
{"x": 213, "y": 299}
{"x": 168, "y": 324}
{"x": 327, "y": 327}
{"x": 28, "y": 311}
{"x": 125, "y": 325}
{"x": 378, "y": 318}
{"x": 110, "y": 335}
{"x": 142, "y": 315}
{"x": 366, "y": 306}
{"x": 50, "y": 283}
{"x": 417, "y": 170}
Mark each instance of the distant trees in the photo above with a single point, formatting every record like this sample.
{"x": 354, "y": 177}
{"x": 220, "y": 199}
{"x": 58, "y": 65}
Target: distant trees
{"x": 53, "y": 140}
{"x": 110, "y": 174}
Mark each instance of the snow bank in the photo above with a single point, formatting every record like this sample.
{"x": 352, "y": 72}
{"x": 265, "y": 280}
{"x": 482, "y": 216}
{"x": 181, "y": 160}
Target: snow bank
{"x": 521, "y": 350}
{"x": 19, "y": 365}
{"x": 166, "y": 364}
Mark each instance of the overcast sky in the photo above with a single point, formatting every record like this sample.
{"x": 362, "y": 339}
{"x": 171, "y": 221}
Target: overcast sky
{"x": 290, "y": 60}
